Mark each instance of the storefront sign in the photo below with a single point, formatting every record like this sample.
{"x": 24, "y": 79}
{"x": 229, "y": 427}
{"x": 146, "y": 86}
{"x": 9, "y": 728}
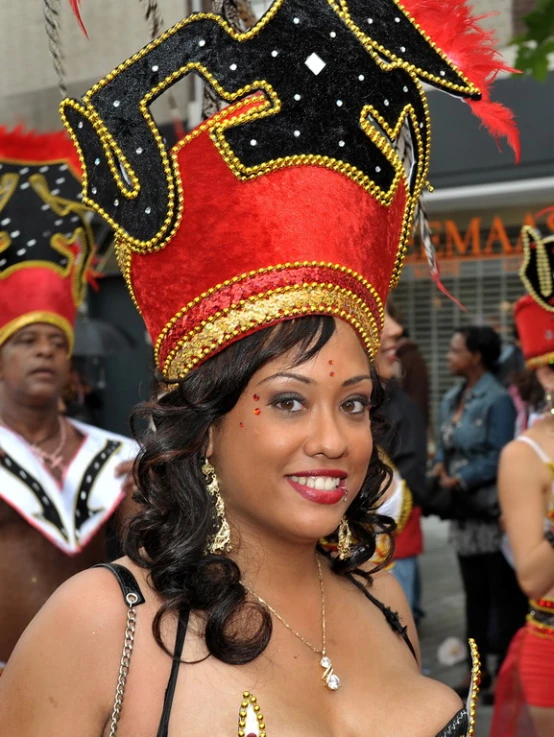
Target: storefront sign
{"x": 477, "y": 240}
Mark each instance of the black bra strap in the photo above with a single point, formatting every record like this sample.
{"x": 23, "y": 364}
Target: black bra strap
{"x": 126, "y": 580}
{"x": 390, "y": 615}
{"x": 170, "y": 690}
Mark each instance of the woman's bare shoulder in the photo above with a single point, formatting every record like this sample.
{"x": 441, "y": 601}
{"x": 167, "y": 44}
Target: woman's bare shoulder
{"x": 62, "y": 670}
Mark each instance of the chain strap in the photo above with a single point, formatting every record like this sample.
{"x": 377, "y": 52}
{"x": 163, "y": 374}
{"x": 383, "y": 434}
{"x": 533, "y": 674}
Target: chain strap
{"x": 131, "y": 600}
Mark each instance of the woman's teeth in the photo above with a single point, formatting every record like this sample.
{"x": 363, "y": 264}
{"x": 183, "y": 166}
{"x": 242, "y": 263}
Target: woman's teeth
{"x": 323, "y": 483}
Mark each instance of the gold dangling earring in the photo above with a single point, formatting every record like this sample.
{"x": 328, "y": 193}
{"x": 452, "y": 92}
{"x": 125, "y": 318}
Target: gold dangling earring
{"x": 549, "y": 399}
{"x": 221, "y": 541}
{"x": 345, "y": 540}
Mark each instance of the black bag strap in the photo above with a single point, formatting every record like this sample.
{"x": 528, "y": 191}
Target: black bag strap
{"x": 133, "y": 597}
{"x": 126, "y": 580}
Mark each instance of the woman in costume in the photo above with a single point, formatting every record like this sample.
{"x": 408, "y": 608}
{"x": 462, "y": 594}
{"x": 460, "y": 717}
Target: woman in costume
{"x": 526, "y": 483}
{"x": 260, "y": 251}
{"x": 477, "y": 420}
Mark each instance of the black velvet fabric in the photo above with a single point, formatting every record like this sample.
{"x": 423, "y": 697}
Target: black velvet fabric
{"x": 320, "y": 109}
{"x": 537, "y": 249}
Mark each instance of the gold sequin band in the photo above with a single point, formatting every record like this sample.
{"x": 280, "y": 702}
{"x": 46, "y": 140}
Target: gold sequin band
{"x": 266, "y": 309}
{"x": 547, "y": 359}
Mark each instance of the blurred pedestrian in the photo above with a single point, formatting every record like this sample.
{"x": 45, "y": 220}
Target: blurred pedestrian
{"x": 526, "y": 484}
{"x": 405, "y": 446}
{"x": 60, "y": 480}
{"x": 477, "y": 420}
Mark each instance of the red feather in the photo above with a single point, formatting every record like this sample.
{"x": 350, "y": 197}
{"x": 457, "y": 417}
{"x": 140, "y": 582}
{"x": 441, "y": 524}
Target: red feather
{"x": 30, "y": 146}
{"x": 76, "y": 7}
{"x": 457, "y": 33}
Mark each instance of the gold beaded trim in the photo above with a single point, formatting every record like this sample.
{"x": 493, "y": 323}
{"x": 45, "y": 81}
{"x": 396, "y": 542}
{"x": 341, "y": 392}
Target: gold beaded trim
{"x": 474, "y": 688}
{"x": 8, "y": 183}
{"x": 250, "y": 701}
{"x": 541, "y": 607}
{"x": 531, "y": 235}
{"x": 539, "y": 628}
{"x": 266, "y": 308}
{"x": 30, "y": 318}
{"x": 547, "y": 359}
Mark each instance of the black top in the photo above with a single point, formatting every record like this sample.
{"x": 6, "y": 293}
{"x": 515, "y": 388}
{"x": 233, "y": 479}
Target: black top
{"x": 458, "y": 726}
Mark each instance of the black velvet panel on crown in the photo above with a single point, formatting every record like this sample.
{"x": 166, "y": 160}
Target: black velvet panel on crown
{"x": 27, "y": 219}
{"x": 321, "y": 71}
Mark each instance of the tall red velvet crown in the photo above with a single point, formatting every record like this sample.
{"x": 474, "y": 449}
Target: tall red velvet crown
{"x": 299, "y": 197}
{"x": 45, "y": 240}
{"x": 534, "y": 313}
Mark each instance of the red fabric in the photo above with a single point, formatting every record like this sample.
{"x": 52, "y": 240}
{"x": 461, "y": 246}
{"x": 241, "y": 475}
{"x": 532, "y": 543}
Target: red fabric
{"x": 410, "y": 541}
{"x": 36, "y": 289}
{"x": 526, "y": 679}
{"x": 232, "y": 226}
{"x": 535, "y": 327}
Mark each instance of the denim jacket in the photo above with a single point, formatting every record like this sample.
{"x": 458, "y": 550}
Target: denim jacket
{"x": 487, "y": 424}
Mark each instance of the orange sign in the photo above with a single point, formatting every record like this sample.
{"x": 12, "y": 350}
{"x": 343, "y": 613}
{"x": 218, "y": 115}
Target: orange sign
{"x": 475, "y": 241}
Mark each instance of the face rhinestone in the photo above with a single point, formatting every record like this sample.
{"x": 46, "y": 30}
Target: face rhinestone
{"x": 274, "y": 53}
{"x": 257, "y": 411}
{"x": 298, "y": 97}
{"x": 155, "y": 68}
{"x": 116, "y": 103}
{"x": 148, "y": 210}
{"x": 315, "y": 64}
{"x": 256, "y": 397}
{"x": 233, "y": 67}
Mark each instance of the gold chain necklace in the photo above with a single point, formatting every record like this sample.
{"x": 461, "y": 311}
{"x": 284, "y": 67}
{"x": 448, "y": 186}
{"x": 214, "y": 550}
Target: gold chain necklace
{"x": 329, "y": 677}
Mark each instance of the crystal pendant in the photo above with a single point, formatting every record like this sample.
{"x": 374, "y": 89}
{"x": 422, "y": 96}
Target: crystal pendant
{"x": 331, "y": 680}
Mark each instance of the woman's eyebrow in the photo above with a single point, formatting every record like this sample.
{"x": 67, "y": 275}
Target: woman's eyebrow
{"x": 357, "y": 379}
{"x": 287, "y": 375}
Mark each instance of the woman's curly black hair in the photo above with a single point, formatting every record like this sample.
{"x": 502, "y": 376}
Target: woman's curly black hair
{"x": 170, "y": 535}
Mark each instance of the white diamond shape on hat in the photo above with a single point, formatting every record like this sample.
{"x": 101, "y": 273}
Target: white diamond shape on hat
{"x": 315, "y": 63}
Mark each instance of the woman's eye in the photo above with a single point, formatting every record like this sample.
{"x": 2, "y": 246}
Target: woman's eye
{"x": 356, "y": 406}
{"x": 289, "y": 404}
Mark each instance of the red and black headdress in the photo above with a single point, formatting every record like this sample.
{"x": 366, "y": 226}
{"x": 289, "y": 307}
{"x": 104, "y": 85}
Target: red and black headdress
{"x": 46, "y": 244}
{"x": 299, "y": 197}
{"x": 534, "y": 313}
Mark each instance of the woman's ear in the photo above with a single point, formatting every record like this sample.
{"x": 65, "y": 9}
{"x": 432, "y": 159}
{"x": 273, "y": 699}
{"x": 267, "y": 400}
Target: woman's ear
{"x": 210, "y": 445}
